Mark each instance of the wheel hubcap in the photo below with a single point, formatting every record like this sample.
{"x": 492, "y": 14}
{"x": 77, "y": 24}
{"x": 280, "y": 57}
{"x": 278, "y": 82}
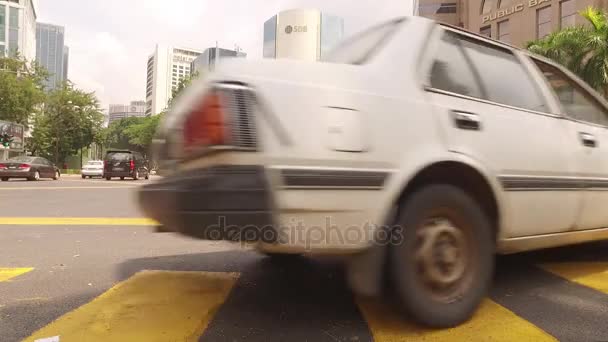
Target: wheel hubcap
{"x": 441, "y": 257}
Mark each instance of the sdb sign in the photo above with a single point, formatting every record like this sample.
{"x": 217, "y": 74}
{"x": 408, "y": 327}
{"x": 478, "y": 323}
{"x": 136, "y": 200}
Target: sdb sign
{"x": 14, "y": 130}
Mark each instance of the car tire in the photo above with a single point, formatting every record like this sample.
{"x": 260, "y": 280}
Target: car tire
{"x": 5, "y": 179}
{"x": 122, "y": 178}
{"x": 35, "y": 178}
{"x": 442, "y": 257}
{"x": 84, "y": 177}
{"x": 108, "y": 178}
{"x": 57, "y": 175}
{"x": 147, "y": 176}
{"x": 136, "y": 175}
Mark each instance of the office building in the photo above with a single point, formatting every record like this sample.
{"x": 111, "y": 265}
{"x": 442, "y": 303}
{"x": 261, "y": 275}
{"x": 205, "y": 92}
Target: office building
{"x": 119, "y": 111}
{"x": 166, "y": 67}
{"x": 18, "y": 28}
{"x": 208, "y": 59}
{"x": 301, "y": 34}
{"x": 52, "y": 53}
{"x": 513, "y": 21}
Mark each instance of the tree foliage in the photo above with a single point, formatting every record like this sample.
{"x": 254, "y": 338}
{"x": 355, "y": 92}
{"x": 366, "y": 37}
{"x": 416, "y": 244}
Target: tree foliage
{"x": 582, "y": 49}
{"x": 21, "y": 89}
{"x": 70, "y": 120}
{"x": 132, "y": 133}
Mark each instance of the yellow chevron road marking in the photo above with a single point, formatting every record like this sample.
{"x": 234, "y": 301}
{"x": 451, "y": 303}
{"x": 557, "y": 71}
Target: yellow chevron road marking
{"x": 7, "y": 274}
{"x": 491, "y": 323}
{"x": 150, "y": 306}
{"x": 590, "y": 274}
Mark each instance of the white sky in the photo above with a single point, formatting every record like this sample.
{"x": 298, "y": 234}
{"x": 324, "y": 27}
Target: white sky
{"x": 110, "y": 40}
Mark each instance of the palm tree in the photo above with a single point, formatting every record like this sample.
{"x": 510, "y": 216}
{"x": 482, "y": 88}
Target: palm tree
{"x": 582, "y": 49}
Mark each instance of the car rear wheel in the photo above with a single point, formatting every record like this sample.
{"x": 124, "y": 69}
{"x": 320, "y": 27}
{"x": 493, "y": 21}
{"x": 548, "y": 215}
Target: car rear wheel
{"x": 442, "y": 263}
{"x": 5, "y": 179}
{"x": 108, "y": 178}
{"x": 84, "y": 177}
{"x": 57, "y": 175}
{"x": 122, "y": 178}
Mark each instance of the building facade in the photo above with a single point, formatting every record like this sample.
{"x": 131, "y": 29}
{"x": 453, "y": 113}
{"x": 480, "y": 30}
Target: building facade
{"x": 166, "y": 67}
{"x": 52, "y": 53}
{"x": 18, "y": 28}
{"x": 516, "y": 22}
{"x": 119, "y": 111}
{"x": 211, "y": 56}
{"x": 301, "y": 34}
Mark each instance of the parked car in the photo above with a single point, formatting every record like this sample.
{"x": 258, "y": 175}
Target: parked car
{"x": 125, "y": 164}
{"x": 30, "y": 168}
{"x": 418, "y": 149}
{"x": 93, "y": 168}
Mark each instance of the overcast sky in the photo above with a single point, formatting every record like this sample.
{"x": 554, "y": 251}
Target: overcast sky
{"x": 110, "y": 40}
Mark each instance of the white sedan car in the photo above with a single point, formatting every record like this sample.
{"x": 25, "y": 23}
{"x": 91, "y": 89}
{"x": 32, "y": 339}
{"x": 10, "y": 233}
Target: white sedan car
{"x": 416, "y": 149}
{"x": 93, "y": 168}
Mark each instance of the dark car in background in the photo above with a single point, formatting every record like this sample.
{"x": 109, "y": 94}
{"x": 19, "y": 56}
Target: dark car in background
{"x": 125, "y": 164}
{"x": 30, "y": 168}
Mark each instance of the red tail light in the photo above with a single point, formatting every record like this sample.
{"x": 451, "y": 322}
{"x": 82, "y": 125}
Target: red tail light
{"x": 2, "y": 166}
{"x": 132, "y": 165}
{"x": 25, "y": 166}
{"x": 206, "y": 124}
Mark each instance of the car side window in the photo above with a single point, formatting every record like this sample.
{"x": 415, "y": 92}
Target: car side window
{"x": 575, "y": 100}
{"x": 503, "y": 78}
{"x": 451, "y": 71}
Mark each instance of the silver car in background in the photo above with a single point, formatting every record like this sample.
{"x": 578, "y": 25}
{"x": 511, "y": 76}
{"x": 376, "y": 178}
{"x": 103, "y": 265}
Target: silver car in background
{"x": 93, "y": 168}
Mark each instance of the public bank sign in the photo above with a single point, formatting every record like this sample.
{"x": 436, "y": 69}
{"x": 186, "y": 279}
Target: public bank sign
{"x": 513, "y": 9}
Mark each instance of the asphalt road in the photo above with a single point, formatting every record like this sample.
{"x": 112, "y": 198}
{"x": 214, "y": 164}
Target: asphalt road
{"x": 78, "y": 262}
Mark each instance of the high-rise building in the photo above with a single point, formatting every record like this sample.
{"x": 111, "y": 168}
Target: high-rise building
{"x": 134, "y": 109}
{"x": 52, "y": 53}
{"x": 66, "y": 61}
{"x": 512, "y": 21}
{"x": 18, "y": 28}
{"x": 301, "y": 34}
{"x": 166, "y": 67}
{"x": 208, "y": 59}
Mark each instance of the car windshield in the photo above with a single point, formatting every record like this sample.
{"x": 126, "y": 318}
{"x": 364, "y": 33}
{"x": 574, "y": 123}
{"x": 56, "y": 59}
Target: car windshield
{"x": 119, "y": 156}
{"x": 22, "y": 159}
{"x": 361, "y": 48}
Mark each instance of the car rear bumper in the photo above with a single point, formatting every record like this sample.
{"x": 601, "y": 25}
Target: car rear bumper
{"x": 118, "y": 174}
{"x": 17, "y": 174}
{"x": 219, "y": 203}
{"x": 92, "y": 172}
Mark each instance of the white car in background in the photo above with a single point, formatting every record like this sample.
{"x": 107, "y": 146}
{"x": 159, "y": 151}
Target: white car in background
{"x": 93, "y": 168}
{"x": 416, "y": 149}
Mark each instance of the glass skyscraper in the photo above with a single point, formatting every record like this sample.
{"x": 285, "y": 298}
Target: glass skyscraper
{"x": 52, "y": 53}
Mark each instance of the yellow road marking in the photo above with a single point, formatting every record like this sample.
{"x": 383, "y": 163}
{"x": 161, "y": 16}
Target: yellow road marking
{"x": 75, "y": 221}
{"x": 69, "y": 187}
{"x": 492, "y": 322}
{"x": 590, "y": 274}
{"x": 7, "y": 274}
{"x": 150, "y": 306}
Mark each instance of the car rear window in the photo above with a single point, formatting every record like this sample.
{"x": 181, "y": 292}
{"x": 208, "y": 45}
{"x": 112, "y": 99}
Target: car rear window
{"x": 22, "y": 159}
{"x": 119, "y": 156}
{"x": 362, "y": 47}
{"x": 95, "y": 163}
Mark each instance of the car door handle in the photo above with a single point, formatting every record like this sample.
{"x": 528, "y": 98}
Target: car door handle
{"x": 588, "y": 139}
{"x": 466, "y": 120}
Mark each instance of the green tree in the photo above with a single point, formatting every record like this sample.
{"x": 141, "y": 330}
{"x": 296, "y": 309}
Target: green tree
{"x": 70, "y": 121}
{"x": 21, "y": 89}
{"x": 582, "y": 49}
